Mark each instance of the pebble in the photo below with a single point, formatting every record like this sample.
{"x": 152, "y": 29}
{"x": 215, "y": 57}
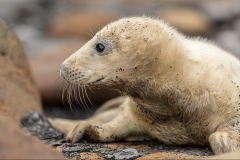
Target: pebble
{"x": 233, "y": 46}
{"x": 129, "y": 153}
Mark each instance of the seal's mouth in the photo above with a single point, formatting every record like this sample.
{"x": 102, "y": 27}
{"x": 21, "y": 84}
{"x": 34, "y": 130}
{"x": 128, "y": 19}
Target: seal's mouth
{"x": 64, "y": 79}
{"x": 99, "y": 80}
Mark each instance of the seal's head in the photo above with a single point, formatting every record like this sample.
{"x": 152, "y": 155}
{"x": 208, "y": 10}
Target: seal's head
{"x": 121, "y": 51}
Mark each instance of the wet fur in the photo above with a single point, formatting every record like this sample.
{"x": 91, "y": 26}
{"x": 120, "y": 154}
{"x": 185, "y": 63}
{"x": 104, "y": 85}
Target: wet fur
{"x": 180, "y": 90}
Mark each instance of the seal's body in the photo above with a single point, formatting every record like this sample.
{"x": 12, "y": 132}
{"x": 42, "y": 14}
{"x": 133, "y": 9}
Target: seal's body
{"x": 180, "y": 90}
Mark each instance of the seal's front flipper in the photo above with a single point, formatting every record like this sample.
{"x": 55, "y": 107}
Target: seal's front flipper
{"x": 118, "y": 128}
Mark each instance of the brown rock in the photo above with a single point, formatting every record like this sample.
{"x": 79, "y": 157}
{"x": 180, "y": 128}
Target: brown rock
{"x": 84, "y": 23}
{"x": 186, "y": 19}
{"x": 46, "y": 66}
{"x": 18, "y": 91}
{"x": 15, "y": 144}
{"x": 127, "y": 145}
{"x": 90, "y": 156}
{"x": 169, "y": 155}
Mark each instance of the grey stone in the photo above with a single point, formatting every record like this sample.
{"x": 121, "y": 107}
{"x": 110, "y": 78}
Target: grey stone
{"x": 237, "y": 25}
{"x": 77, "y": 149}
{"x": 221, "y": 10}
{"x": 129, "y": 153}
{"x": 229, "y": 40}
{"x": 110, "y": 156}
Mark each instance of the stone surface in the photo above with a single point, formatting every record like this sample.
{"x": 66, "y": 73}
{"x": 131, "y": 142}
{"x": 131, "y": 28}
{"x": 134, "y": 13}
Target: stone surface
{"x": 229, "y": 41}
{"x": 221, "y": 10}
{"x": 15, "y": 144}
{"x": 38, "y": 125}
{"x": 186, "y": 19}
{"x": 18, "y": 90}
{"x": 46, "y": 66}
{"x": 42, "y": 128}
{"x": 84, "y": 23}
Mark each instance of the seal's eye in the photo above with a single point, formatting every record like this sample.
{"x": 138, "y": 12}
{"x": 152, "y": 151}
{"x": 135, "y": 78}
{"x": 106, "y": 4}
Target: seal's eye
{"x": 100, "y": 47}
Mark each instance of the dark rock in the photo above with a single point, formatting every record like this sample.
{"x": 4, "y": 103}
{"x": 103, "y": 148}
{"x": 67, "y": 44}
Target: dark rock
{"x": 38, "y": 125}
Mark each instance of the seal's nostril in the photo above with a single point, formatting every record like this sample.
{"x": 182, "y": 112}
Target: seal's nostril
{"x": 64, "y": 71}
{"x": 65, "y": 66}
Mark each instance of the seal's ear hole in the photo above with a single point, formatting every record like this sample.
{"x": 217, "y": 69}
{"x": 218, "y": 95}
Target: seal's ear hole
{"x": 128, "y": 38}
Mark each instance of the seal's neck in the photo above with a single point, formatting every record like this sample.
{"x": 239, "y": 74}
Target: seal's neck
{"x": 154, "y": 81}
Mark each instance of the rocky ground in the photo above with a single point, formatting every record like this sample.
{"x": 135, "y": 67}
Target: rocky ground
{"x": 38, "y": 125}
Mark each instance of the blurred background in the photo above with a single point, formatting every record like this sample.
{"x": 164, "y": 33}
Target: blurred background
{"x": 51, "y": 30}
